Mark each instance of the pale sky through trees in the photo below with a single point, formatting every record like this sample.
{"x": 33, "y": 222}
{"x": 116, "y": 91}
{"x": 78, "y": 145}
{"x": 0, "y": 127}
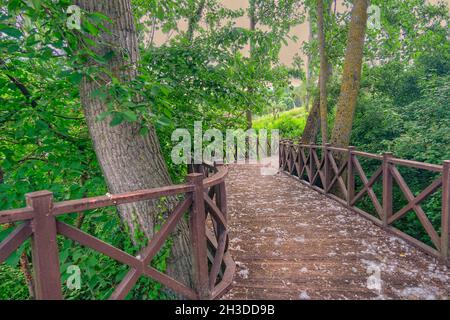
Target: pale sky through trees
{"x": 288, "y": 52}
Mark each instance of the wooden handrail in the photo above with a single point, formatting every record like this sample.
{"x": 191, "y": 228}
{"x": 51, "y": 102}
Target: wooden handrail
{"x": 203, "y": 191}
{"x": 323, "y": 173}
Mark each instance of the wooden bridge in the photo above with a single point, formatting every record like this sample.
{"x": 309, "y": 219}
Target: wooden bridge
{"x": 295, "y": 230}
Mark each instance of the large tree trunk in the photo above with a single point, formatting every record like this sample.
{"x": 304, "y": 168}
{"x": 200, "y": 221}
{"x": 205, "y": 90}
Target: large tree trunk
{"x": 324, "y": 72}
{"x": 351, "y": 75}
{"x": 129, "y": 161}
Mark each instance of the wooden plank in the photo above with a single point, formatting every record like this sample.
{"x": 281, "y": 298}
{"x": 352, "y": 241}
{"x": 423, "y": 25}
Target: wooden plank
{"x": 387, "y": 189}
{"x": 215, "y": 268}
{"x": 445, "y": 227}
{"x": 171, "y": 283}
{"x": 198, "y": 237}
{"x": 13, "y": 241}
{"x": 336, "y": 172}
{"x": 370, "y": 192}
{"x": 116, "y": 199}
{"x": 214, "y": 210}
{"x": 169, "y": 225}
{"x": 416, "y": 164}
{"x": 44, "y": 247}
{"x": 417, "y": 208}
{"x": 14, "y": 215}
{"x": 96, "y": 244}
{"x": 422, "y": 196}
{"x": 367, "y": 184}
{"x": 126, "y": 285}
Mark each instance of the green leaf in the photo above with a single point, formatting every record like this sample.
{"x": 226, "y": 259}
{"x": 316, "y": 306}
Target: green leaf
{"x": 103, "y": 115}
{"x": 130, "y": 116}
{"x": 98, "y": 16}
{"x": 10, "y": 31}
{"x": 143, "y": 131}
{"x": 90, "y": 28}
{"x": 117, "y": 119}
{"x": 75, "y": 78}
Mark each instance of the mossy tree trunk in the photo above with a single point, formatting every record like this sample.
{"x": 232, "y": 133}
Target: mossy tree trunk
{"x": 351, "y": 75}
{"x": 324, "y": 72}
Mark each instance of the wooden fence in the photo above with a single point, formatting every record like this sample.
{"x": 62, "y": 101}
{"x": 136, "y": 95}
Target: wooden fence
{"x": 332, "y": 171}
{"x": 204, "y": 195}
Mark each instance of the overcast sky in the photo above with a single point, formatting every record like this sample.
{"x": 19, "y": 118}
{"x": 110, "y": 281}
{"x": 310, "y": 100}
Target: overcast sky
{"x": 287, "y": 52}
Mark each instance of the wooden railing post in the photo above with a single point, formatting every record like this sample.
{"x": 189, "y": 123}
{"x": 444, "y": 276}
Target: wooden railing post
{"x": 291, "y": 159}
{"x": 445, "y": 230}
{"x": 387, "y": 188}
{"x": 280, "y": 154}
{"x": 326, "y": 167}
{"x": 198, "y": 238}
{"x": 311, "y": 165}
{"x": 300, "y": 160}
{"x": 350, "y": 176}
{"x": 44, "y": 247}
{"x": 221, "y": 195}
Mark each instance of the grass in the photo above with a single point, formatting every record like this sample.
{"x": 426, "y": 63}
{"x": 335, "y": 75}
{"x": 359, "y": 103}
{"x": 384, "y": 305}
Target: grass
{"x": 290, "y": 123}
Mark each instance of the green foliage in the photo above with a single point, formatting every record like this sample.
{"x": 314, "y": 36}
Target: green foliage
{"x": 44, "y": 141}
{"x": 290, "y": 123}
{"x": 45, "y": 144}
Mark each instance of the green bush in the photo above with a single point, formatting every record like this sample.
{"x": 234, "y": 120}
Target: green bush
{"x": 290, "y": 123}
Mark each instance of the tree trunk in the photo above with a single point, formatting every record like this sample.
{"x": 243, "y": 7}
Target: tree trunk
{"x": 129, "y": 160}
{"x": 323, "y": 75}
{"x": 252, "y": 16}
{"x": 248, "y": 115}
{"x": 309, "y": 65}
{"x": 312, "y": 127}
{"x": 351, "y": 75}
{"x": 195, "y": 19}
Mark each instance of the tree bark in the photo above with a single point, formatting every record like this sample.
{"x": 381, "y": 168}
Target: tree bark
{"x": 309, "y": 64}
{"x": 195, "y": 19}
{"x": 351, "y": 75}
{"x": 252, "y": 17}
{"x": 312, "y": 127}
{"x": 324, "y": 72}
{"x": 129, "y": 160}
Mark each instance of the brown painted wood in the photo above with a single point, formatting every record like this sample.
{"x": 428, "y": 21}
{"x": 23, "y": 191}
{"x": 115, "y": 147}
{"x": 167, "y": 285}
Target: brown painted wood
{"x": 338, "y": 174}
{"x": 96, "y": 244}
{"x": 116, "y": 199}
{"x": 13, "y": 241}
{"x": 163, "y": 234}
{"x": 214, "y": 210}
{"x": 417, "y": 208}
{"x": 14, "y": 215}
{"x": 43, "y": 228}
{"x": 445, "y": 228}
{"x": 44, "y": 247}
{"x": 350, "y": 176}
{"x": 422, "y": 196}
{"x": 126, "y": 285}
{"x": 198, "y": 238}
{"x": 387, "y": 189}
{"x": 368, "y": 186}
{"x": 388, "y": 171}
{"x": 416, "y": 164}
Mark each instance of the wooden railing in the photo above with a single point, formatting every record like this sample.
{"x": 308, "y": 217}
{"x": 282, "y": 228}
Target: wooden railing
{"x": 204, "y": 195}
{"x": 332, "y": 171}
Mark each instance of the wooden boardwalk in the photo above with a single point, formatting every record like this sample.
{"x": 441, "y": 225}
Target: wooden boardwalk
{"x": 290, "y": 242}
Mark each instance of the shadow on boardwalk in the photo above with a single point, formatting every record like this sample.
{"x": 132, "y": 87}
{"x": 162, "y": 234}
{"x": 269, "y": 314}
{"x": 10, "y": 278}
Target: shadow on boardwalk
{"x": 290, "y": 242}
